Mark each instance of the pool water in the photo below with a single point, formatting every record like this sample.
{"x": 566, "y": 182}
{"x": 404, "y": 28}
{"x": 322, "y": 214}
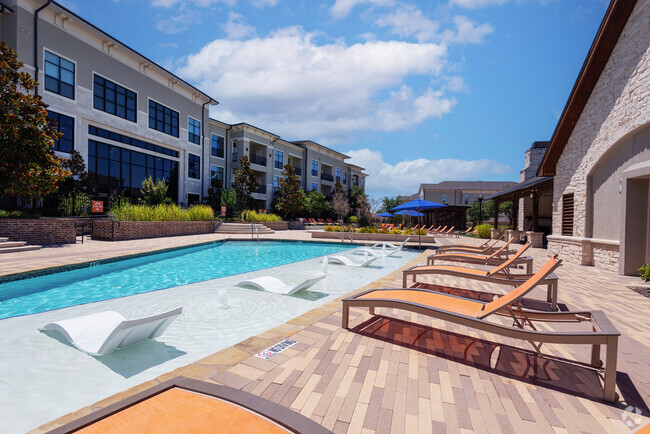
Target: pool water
{"x": 151, "y": 273}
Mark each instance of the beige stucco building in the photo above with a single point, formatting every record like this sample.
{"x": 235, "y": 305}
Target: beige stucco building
{"x": 599, "y": 154}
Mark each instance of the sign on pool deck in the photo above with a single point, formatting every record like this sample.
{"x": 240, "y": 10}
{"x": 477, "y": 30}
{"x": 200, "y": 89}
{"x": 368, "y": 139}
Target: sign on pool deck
{"x": 275, "y": 349}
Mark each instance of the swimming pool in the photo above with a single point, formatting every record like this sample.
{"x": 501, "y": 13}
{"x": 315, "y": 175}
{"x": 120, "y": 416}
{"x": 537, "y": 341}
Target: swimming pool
{"x": 151, "y": 273}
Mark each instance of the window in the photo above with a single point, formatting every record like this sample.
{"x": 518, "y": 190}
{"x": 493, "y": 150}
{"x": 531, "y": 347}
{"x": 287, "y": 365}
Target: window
{"x": 444, "y": 198}
{"x": 314, "y": 186}
{"x": 279, "y": 160}
{"x": 59, "y": 75}
{"x": 216, "y": 172}
{"x": 114, "y": 99}
{"x": 466, "y": 199}
{"x": 193, "y": 199}
{"x": 163, "y": 119}
{"x": 217, "y": 146}
{"x": 194, "y": 166}
{"x": 475, "y": 198}
{"x": 100, "y": 132}
{"x": 115, "y": 170}
{"x": 276, "y": 179}
{"x": 567, "y": 214}
{"x": 338, "y": 175}
{"x": 314, "y": 168}
{"x": 345, "y": 178}
{"x": 193, "y": 131}
{"x": 64, "y": 124}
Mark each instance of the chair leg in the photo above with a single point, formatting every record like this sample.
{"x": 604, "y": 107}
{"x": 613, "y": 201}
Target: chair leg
{"x": 371, "y": 310}
{"x": 610, "y": 369}
{"x": 551, "y": 294}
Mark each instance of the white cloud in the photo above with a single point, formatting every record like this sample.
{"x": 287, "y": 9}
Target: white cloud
{"x": 289, "y": 84}
{"x": 406, "y": 176}
{"x": 408, "y": 21}
{"x": 235, "y": 28}
{"x": 466, "y": 31}
{"x": 263, "y": 3}
{"x": 475, "y": 4}
{"x": 177, "y": 23}
{"x": 341, "y": 8}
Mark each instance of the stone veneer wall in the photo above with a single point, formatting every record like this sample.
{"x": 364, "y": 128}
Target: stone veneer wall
{"x": 617, "y": 106}
{"x": 585, "y": 251}
{"x": 39, "y": 231}
{"x": 103, "y": 230}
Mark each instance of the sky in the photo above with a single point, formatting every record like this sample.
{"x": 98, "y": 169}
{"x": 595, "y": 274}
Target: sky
{"x": 414, "y": 91}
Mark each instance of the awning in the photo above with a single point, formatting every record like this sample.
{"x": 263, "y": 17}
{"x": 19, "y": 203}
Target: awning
{"x": 535, "y": 183}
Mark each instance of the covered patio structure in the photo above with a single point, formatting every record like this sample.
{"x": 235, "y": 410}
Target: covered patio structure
{"x": 532, "y": 215}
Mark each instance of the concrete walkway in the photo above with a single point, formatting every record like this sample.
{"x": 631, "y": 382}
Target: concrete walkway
{"x": 403, "y": 372}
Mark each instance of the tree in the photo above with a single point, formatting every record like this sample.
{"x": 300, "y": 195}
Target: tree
{"x": 288, "y": 194}
{"x": 28, "y": 166}
{"x": 365, "y": 209}
{"x": 245, "y": 184}
{"x": 229, "y": 200}
{"x": 353, "y": 198}
{"x": 338, "y": 188}
{"x": 506, "y": 208}
{"x": 79, "y": 179}
{"x": 340, "y": 205}
{"x": 487, "y": 211}
{"x": 315, "y": 203}
{"x": 154, "y": 192}
{"x": 388, "y": 203}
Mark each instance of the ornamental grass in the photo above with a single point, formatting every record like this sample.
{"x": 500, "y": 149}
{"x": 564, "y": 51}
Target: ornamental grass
{"x": 161, "y": 213}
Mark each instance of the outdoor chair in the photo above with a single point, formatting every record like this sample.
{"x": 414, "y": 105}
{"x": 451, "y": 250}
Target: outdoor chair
{"x": 368, "y": 259}
{"x": 500, "y": 274}
{"x": 495, "y": 258}
{"x": 442, "y": 230}
{"x": 277, "y": 286}
{"x": 449, "y": 231}
{"x": 476, "y": 314}
{"x": 487, "y": 247}
{"x": 104, "y": 332}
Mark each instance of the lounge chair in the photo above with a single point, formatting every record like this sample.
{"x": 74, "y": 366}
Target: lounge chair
{"x": 436, "y": 229}
{"x": 376, "y": 252}
{"x": 104, "y": 332}
{"x": 276, "y": 286}
{"x": 495, "y": 258}
{"x": 390, "y": 246}
{"x": 449, "y": 231}
{"x": 499, "y": 274}
{"x": 350, "y": 263}
{"x": 187, "y": 405}
{"x": 487, "y": 247}
{"x": 474, "y": 314}
{"x": 439, "y": 231}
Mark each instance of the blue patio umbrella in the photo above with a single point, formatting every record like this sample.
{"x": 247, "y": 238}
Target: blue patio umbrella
{"x": 385, "y": 214}
{"x": 418, "y": 205}
{"x": 409, "y": 212}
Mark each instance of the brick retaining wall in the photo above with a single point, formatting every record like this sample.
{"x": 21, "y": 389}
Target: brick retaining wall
{"x": 103, "y": 230}
{"x": 39, "y": 231}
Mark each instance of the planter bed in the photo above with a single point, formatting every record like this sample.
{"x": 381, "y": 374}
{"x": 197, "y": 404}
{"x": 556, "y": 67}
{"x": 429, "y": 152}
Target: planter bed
{"x": 114, "y": 231}
{"x": 374, "y": 237}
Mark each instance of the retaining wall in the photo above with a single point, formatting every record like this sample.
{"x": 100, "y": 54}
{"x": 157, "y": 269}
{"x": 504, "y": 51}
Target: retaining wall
{"x": 107, "y": 230}
{"x": 39, "y": 231}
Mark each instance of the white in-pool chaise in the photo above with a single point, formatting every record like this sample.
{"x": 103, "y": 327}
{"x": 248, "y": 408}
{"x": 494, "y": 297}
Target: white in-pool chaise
{"x": 374, "y": 252}
{"x": 350, "y": 263}
{"x": 390, "y": 246}
{"x": 276, "y": 286}
{"x": 102, "y": 333}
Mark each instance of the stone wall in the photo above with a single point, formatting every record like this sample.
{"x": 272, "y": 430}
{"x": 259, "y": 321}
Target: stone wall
{"x": 585, "y": 251}
{"x": 276, "y": 226}
{"x": 39, "y": 231}
{"x": 617, "y": 107}
{"x": 107, "y": 230}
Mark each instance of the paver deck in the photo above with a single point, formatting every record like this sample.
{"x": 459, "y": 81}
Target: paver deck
{"x": 404, "y": 372}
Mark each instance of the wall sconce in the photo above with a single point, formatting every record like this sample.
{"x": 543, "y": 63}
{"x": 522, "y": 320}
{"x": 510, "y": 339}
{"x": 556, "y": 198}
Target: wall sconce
{"x": 620, "y": 186}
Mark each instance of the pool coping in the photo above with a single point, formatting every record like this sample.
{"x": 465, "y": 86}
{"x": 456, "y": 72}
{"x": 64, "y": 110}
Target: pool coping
{"x": 227, "y": 358}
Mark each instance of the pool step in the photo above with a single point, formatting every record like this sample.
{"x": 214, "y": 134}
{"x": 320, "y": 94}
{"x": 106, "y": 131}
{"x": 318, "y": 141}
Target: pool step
{"x": 15, "y": 246}
{"x": 242, "y": 228}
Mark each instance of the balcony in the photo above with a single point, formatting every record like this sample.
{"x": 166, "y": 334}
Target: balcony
{"x": 256, "y": 159}
{"x": 261, "y": 189}
{"x": 326, "y": 177}
{"x": 298, "y": 171}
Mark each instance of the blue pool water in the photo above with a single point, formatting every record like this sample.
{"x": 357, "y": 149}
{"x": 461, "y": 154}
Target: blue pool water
{"x": 151, "y": 273}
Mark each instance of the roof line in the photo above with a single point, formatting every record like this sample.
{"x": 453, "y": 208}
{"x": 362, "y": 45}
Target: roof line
{"x": 60, "y": 6}
{"x": 609, "y": 32}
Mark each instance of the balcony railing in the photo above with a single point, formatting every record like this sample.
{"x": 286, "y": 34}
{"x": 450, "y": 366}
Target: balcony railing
{"x": 261, "y": 189}
{"x": 256, "y": 159}
{"x": 326, "y": 177}
{"x": 298, "y": 171}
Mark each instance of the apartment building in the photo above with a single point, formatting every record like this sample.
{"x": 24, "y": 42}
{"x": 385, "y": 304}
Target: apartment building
{"x": 130, "y": 118}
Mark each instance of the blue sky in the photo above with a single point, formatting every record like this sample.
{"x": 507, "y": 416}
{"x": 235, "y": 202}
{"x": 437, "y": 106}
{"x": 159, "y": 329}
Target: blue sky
{"x": 414, "y": 91}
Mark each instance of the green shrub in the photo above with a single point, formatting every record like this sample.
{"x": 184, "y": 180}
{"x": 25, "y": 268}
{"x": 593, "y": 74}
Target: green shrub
{"x": 365, "y": 230}
{"x": 353, "y": 219}
{"x": 644, "y": 272}
{"x": 162, "y": 212}
{"x": 250, "y": 216}
{"x": 18, "y": 215}
{"x": 420, "y": 232}
{"x": 484, "y": 230}
{"x": 396, "y": 231}
{"x": 74, "y": 205}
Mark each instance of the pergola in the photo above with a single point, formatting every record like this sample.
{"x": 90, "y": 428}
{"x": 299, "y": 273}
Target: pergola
{"x": 533, "y": 187}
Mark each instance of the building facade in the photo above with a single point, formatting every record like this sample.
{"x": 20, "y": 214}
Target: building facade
{"x": 600, "y": 150}
{"x": 129, "y": 118}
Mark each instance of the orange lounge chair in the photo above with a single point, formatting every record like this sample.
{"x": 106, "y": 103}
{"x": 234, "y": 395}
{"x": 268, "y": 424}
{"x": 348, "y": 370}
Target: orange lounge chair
{"x": 187, "y": 405}
{"x": 414, "y": 228}
{"x": 436, "y": 229}
{"x": 499, "y": 274}
{"x": 487, "y": 247}
{"x": 475, "y": 314}
{"x": 450, "y": 230}
{"x": 494, "y": 258}
{"x": 442, "y": 230}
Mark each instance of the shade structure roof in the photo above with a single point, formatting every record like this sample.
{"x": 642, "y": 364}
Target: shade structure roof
{"x": 417, "y": 205}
